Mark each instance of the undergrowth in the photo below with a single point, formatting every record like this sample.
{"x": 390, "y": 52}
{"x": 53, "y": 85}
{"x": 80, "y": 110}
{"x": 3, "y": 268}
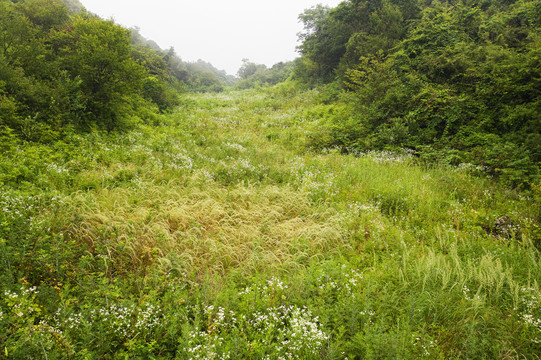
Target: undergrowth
{"x": 216, "y": 234}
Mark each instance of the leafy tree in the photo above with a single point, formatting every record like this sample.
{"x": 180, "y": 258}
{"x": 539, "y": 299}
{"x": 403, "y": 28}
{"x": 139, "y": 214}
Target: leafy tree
{"x": 323, "y": 41}
{"x": 45, "y": 14}
{"x": 17, "y": 34}
{"x": 334, "y": 39}
{"x": 62, "y": 68}
{"x": 98, "y": 54}
{"x": 248, "y": 69}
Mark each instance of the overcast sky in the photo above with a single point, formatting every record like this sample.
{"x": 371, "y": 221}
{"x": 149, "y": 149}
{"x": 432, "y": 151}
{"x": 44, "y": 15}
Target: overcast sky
{"x": 222, "y": 32}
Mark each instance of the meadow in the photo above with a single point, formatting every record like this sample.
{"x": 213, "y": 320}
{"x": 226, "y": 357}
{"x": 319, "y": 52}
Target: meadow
{"x": 217, "y": 232}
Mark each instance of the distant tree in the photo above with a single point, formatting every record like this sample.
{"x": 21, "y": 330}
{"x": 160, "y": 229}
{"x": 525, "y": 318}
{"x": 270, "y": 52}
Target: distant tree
{"x": 248, "y": 69}
{"x": 323, "y": 42}
{"x": 263, "y": 76}
{"x": 74, "y": 6}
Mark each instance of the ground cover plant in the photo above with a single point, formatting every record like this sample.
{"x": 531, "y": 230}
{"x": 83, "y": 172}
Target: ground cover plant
{"x": 216, "y": 233}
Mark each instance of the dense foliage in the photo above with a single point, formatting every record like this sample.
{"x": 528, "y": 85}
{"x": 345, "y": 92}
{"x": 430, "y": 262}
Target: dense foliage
{"x": 458, "y": 81}
{"x": 59, "y": 71}
{"x": 63, "y": 68}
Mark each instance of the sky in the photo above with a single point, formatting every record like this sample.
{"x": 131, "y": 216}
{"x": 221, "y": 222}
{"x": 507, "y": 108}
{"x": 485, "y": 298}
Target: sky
{"x": 222, "y": 32}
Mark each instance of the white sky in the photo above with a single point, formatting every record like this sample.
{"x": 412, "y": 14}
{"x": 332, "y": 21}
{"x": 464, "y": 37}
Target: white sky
{"x": 222, "y": 32}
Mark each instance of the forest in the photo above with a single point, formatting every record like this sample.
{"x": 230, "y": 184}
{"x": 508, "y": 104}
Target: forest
{"x": 379, "y": 197}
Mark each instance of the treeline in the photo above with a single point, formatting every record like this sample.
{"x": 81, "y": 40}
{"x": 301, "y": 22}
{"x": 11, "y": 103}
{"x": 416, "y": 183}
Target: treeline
{"x": 200, "y": 76}
{"x": 454, "y": 81}
{"x": 252, "y": 75}
{"x": 62, "y": 68}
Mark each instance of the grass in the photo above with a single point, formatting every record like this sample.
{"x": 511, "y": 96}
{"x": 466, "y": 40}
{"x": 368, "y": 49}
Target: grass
{"x": 217, "y": 233}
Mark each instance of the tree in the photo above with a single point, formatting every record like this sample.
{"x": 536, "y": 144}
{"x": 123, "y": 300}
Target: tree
{"x": 98, "y": 54}
{"x": 248, "y": 69}
{"x": 323, "y": 41}
{"x": 16, "y": 34}
{"x": 334, "y": 39}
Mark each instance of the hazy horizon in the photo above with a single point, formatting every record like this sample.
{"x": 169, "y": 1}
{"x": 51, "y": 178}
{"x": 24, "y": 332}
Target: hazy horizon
{"x": 222, "y": 33}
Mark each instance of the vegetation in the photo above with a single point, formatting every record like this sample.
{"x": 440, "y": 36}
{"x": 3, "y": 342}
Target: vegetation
{"x": 455, "y": 81}
{"x": 254, "y": 75}
{"x": 217, "y": 233}
{"x": 60, "y": 71}
{"x": 143, "y": 220}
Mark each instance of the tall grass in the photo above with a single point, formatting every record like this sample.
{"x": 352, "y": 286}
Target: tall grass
{"x": 217, "y": 233}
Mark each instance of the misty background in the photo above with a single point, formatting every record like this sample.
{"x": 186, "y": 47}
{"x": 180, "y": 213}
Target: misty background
{"x": 220, "y": 32}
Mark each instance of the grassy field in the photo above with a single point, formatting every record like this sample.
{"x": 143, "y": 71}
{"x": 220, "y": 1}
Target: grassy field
{"x": 216, "y": 233}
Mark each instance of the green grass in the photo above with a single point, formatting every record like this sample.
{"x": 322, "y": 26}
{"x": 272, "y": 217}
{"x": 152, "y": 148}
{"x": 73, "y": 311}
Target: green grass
{"x": 216, "y": 233}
